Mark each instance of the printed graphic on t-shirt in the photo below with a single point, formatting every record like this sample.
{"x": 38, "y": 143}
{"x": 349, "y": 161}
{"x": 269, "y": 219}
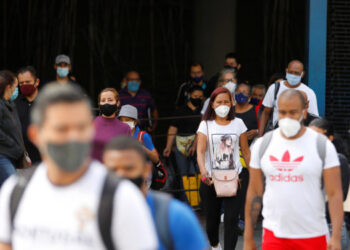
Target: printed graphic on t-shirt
{"x": 284, "y": 167}
{"x": 223, "y": 150}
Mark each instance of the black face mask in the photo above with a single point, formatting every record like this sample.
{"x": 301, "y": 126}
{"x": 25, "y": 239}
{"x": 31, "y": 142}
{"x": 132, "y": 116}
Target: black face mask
{"x": 108, "y": 109}
{"x": 138, "y": 181}
{"x": 196, "y": 102}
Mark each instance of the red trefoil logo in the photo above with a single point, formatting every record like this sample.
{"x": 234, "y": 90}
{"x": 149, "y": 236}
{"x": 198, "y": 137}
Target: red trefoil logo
{"x": 285, "y": 166}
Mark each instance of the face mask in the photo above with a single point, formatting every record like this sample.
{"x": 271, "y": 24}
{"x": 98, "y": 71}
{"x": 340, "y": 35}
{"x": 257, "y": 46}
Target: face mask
{"x": 241, "y": 98}
{"x": 27, "y": 89}
{"x": 62, "y": 72}
{"x": 196, "y": 102}
{"x": 138, "y": 181}
{"x": 133, "y": 86}
{"x": 222, "y": 111}
{"x": 197, "y": 79}
{"x": 14, "y": 94}
{"x": 108, "y": 109}
{"x": 254, "y": 101}
{"x": 290, "y": 127}
{"x": 131, "y": 125}
{"x": 230, "y": 86}
{"x": 69, "y": 156}
{"x": 293, "y": 79}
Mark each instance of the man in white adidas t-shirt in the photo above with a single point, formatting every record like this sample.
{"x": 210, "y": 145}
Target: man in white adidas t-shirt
{"x": 294, "y": 74}
{"x": 296, "y": 162}
{"x": 60, "y": 207}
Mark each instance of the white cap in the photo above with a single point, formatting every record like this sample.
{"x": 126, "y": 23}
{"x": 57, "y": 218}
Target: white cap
{"x": 128, "y": 111}
{"x": 62, "y": 58}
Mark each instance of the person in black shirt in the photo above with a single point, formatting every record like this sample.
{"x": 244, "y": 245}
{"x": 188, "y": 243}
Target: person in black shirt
{"x": 197, "y": 79}
{"x": 28, "y": 82}
{"x": 183, "y": 131}
{"x": 309, "y": 117}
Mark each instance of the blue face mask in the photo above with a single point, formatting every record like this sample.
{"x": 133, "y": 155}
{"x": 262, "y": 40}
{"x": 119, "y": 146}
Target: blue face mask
{"x": 62, "y": 72}
{"x": 197, "y": 79}
{"x": 14, "y": 95}
{"x": 254, "y": 101}
{"x": 241, "y": 98}
{"x": 293, "y": 79}
{"x": 133, "y": 86}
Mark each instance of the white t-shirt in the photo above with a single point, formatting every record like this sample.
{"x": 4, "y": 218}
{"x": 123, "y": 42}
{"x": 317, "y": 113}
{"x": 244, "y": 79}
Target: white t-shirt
{"x": 224, "y": 144}
{"x": 65, "y": 217}
{"x": 271, "y": 103}
{"x": 293, "y": 202}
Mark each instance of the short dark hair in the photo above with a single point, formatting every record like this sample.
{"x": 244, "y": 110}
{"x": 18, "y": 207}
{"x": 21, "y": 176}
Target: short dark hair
{"x": 29, "y": 69}
{"x": 195, "y": 88}
{"x": 122, "y": 143}
{"x": 232, "y": 55}
{"x": 245, "y": 84}
{"x": 275, "y": 77}
{"x": 259, "y": 86}
{"x": 322, "y": 123}
{"x": 210, "y": 114}
{"x": 55, "y": 93}
{"x": 6, "y": 78}
{"x": 195, "y": 64}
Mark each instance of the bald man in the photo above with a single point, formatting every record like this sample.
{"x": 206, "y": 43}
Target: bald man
{"x": 294, "y": 74}
{"x": 293, "y": 202}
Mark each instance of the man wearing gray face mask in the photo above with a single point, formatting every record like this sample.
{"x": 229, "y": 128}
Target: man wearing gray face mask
{"x": 72, "y": 201}
{"x": 297, "y": 163}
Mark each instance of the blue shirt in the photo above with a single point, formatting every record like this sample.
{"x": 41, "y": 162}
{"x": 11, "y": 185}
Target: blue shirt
{"x": 147, "y": 139}
{"x": 185, "y": 229}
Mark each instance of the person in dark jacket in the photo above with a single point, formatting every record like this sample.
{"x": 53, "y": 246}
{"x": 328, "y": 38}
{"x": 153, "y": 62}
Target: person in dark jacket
{"x": 324, "y": 127}
{"x": 11, "y": 149}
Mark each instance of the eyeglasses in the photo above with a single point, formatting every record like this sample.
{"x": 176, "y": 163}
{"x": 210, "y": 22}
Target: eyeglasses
{"x": 227, "y": 80}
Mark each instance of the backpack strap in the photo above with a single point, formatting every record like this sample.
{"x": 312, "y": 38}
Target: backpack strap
{"x": 277, "y": 88}
{"x": 140, "y": 136}
{"x": 18, "y": 191}
{"x": 265, "y": 143}
{"x": 321, "y": 141}
{"x": 161, "y": 206}
{"x": 105, "y": 210}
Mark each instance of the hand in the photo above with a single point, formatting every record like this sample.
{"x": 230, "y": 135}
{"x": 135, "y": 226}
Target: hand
{"x": 166, "y": 152}
{"x": 334, "y": 244}
{"x": 251, "y": 134}
{"x": 249, "y": 244}
{"x": 191, "y": 150}
{"x": 205, "y": 177}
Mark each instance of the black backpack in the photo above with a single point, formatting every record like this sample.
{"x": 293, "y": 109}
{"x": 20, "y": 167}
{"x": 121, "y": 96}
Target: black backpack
{"x": 269, "y": 124}
{"x": 105, "y": 209}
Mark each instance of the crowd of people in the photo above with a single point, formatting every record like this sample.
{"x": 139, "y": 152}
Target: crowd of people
{"x": 88, "y": 182}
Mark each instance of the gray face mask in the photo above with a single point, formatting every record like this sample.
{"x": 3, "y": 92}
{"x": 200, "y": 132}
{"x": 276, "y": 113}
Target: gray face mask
{"x": 69, "y": 156}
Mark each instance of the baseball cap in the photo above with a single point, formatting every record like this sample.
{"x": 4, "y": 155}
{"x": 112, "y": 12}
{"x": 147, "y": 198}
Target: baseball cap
{"x": 128, "y": 111}
{"x": 62, "y": 58}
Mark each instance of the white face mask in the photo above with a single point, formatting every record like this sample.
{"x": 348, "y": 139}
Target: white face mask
{"x": 290, "y": 127}
{"x": 230, "y": 86}
{"x": 222, "y": 111}
{"x": 131, "y": 125}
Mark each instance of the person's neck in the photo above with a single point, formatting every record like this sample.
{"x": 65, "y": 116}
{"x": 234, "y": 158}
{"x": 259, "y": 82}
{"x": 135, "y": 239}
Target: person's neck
{"x": 144, "y": 189}
{"x": 292, "y": 86}
{"x": 32, "y": 97}
{"x": 132, "y": 93}
{"x": 59, "y": 177}
{"x": 222, "y": 121}
{"x": 62, "y": 80}
{"x": 191, "y": 106}
{"x": 242, "y": 107}
{"x": 299, "y": 134}
{"x": 109, "y": 117}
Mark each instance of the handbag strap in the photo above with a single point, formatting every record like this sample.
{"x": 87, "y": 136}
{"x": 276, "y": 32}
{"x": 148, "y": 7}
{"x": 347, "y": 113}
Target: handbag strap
{"x": 210, "y": 161}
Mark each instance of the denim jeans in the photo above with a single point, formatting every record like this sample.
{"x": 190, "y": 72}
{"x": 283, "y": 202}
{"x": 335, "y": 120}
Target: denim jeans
{"x": 185, "y": 165}
{"x": 344, "y": 236}
{"x": 6, "y": 169}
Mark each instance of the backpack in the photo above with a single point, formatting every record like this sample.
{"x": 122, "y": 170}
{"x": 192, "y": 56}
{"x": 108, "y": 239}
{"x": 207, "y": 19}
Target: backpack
{"x": 321, "y": 142}
{"x": 269, "y": 125}
{"x": 161, "y": 207}
{"x": 105, "y": 209}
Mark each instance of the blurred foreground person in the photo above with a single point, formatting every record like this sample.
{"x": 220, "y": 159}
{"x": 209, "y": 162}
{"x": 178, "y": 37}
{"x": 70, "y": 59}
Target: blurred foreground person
{"x": 297, "y": 163}
{"x": 176, "y": 225}
{"x": 69, "y": 201}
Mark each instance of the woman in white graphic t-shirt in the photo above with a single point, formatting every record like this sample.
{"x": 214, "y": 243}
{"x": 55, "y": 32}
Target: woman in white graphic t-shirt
{"x": 220, "y": 135}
